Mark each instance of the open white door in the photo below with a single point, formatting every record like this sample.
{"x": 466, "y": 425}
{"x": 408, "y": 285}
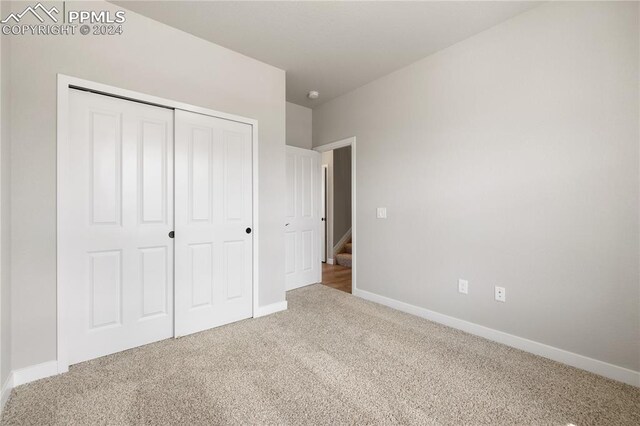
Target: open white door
{"x": 115, "y": 213}
{"x": 213, "y": 222}
{"x": 303, "y": 220}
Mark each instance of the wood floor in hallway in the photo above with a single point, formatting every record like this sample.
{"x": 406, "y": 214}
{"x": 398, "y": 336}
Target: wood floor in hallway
{"x": 336, "y": 276}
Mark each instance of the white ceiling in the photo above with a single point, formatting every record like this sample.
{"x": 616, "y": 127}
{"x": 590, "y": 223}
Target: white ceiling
{"x": 332, "y": 47}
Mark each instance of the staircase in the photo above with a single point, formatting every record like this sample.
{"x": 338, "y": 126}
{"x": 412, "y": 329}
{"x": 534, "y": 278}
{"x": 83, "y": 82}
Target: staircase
{"x": 344, "y": 257}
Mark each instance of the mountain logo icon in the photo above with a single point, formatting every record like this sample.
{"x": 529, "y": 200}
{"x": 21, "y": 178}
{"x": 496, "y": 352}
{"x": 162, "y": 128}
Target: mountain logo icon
{"x": 38, "y": 11}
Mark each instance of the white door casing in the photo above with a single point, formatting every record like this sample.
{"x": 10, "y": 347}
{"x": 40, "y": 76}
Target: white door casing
{"x": 213, "y": 222}
{"x": 351, "y": 141}
{"x": 115, "y": 212}
{"x": 324, "y": 182}
{"x": 302, "y": 216}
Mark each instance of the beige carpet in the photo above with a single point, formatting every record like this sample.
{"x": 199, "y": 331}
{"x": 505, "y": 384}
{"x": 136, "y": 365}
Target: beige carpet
{"x": 330, "y": 359}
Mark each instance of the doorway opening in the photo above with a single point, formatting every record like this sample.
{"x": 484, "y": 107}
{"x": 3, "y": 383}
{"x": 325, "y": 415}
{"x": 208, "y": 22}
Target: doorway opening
{"x": 338, "y": 214}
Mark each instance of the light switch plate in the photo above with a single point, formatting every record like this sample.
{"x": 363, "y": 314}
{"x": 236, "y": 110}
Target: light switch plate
{"x": 463, "y": 286}
{"x": 381, "y": 213}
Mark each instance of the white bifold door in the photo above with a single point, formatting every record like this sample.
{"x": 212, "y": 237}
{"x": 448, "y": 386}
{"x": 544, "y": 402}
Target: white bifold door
{"x": 119, "y": 206}
{"x": 303, "y": 218}
{"x": 214, "y": 240}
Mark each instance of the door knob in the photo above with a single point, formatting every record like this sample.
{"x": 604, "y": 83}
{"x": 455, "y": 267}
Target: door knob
{"x": 248, "y": 230}
{"x": 171, "y": 234}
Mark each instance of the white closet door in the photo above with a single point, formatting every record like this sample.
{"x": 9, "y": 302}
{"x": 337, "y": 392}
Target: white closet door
{"x": 116, "y": 211}
{"x": 213, "y": 239}
{"x": 303, "y": 220}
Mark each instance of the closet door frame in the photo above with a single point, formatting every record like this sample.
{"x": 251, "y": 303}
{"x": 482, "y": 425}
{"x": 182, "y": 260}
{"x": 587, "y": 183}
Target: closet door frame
{"x": 65, "y": 84}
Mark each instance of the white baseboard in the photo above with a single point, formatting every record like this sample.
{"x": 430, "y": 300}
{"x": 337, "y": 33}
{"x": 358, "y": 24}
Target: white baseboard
{"x": 270, "y": 309}
{"x": 560, "y": 355}
{"x": 47, "y": 369}
{"x": 330, "y": 261}
{"x": 25, "y": 375}
{"x": 304, "y": 284}
{"x": 7, "y": 386}
{"x": 34, "y": 372}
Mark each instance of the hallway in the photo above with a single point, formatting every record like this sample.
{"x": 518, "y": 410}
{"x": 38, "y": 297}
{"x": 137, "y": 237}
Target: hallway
{"x": 336, "y": 276}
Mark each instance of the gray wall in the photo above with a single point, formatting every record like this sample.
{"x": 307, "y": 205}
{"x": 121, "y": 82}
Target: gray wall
{"x": 510, "y": 159}
{"x": 298, "y": 126}
{"x": 151, "y": 58}
{"x": 341, "y": 192}
{"x": 5, "y": 206}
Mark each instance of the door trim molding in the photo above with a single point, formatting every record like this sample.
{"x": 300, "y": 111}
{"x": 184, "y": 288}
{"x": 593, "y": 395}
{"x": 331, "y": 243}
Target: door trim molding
{"x": 330, "y": 147}
{"x": 324, "y": 201}
{"x": 64, "y": 84}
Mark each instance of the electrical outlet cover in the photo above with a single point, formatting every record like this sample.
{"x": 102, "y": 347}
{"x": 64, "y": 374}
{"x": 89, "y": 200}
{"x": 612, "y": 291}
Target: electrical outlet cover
{"x": 463, "y": 286}
{"x": 500, "y": 294}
